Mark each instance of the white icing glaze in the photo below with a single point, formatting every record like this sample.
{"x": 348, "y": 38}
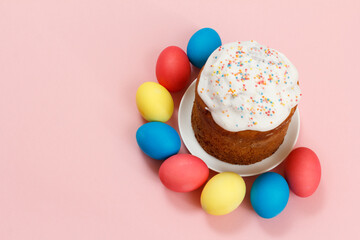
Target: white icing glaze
{"x": 247, "y": 86}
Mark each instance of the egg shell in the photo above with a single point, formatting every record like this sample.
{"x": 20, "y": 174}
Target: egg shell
{"x": 183, "y": 173}
{"x": 154, "y": 102}
{"x": 158, "y": 140}
{"x": 201, "y": 45}
{"x": 173, "y": 68}
{"x": 223, "y": 193}
{"x": 269, "y": 194}
{"x": 303, "y": 171}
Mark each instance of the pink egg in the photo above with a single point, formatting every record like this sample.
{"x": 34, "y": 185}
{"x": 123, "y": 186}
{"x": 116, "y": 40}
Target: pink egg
{"x": 173, "y": 68}
{"x": 303, "y": 171}
{"x": 183, "y": 173}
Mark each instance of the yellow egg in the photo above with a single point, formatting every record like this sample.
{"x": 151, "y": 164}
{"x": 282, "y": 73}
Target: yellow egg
{"x": 223, "y": 193}
{"x": 154, "y": 102}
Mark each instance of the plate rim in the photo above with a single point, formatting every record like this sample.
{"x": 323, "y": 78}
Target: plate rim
{"x": 189, "y": 95}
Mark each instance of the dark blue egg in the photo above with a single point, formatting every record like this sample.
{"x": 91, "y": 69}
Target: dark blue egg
{"x": 269, "y": 194}
{"x": 201, "y": 45}
{"x": 158, "y": 140}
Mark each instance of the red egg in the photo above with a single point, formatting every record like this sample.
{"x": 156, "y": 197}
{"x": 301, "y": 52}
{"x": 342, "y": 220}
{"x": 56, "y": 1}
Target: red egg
{"x": 183, "y": 173}
{"x": 173, "y": 68}
{"x": 303, "y": 171}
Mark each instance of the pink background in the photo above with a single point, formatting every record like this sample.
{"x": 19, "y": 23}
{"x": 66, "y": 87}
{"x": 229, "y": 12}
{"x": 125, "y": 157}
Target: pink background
{"x": 70, "y": 167}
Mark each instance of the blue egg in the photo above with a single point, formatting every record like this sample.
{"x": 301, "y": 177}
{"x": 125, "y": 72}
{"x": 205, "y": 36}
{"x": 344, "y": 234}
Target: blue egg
{"x": 269, "y": 194}
{"x": 158, "y": 140}
{"x": 201, "y": 45}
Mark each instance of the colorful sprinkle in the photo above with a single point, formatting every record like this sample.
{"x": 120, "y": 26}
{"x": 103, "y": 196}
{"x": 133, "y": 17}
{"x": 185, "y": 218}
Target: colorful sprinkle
{"x": 254, "y": 84}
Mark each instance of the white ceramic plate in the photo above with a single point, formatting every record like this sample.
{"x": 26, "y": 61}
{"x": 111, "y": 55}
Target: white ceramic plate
{"x": 188, "y": 136}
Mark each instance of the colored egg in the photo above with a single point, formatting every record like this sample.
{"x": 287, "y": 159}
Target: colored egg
{"x": 158, "y": 140}
{"x": 303, "y": 171}
{"x": 269, "y": 194}
{"x": 154, "y": 102}
{"x": 173, "y": 68}
{"x": 223, "y": 193}
{"x": 183, "y": 173}
{"x": 201, "y": 45}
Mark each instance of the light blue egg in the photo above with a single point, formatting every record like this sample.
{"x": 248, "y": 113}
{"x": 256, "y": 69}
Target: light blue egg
{"x": 269, "y": 194}
{"x": 201, "y": 45}
{"x": 158, "y": 140}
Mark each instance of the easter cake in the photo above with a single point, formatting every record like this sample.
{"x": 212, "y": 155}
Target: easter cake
{"x": 245, "y": 97}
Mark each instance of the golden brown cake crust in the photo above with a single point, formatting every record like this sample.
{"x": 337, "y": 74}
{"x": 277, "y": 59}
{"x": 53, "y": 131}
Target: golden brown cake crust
{"x": 244, "y": 147}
